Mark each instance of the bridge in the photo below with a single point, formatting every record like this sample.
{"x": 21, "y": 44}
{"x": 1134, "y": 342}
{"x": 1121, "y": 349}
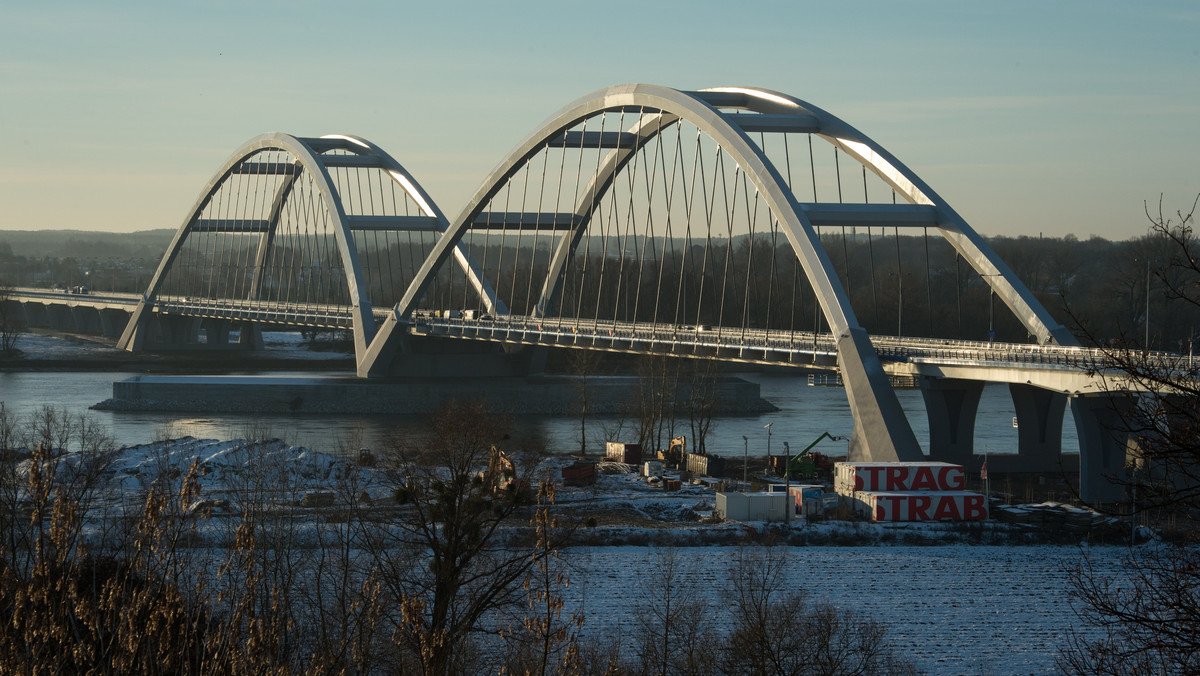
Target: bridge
{"x": 637, "y": 219}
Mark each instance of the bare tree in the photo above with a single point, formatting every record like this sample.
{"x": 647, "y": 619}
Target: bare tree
{"x": 12, "y": 322}
{"x": 676, "y": 634}
{"x": 702, "y": 402}
{"x": 778, "y": 630}
{"x": 1148, "y": 613}
{"x": 443, "y": 563}
{"x": 658, "y": 389}
{"x": 583, "y": 364}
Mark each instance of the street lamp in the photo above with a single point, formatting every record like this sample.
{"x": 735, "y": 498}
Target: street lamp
{"x": 899, "y": 302}
{"x": 1146, "y": 260}
{"x": 787, "y": 481}
{"x": 991, "y": 305}
{"x": 745, "y": 464}
{"x": 767, "y": 427}
{"x": 1147, "y": 303}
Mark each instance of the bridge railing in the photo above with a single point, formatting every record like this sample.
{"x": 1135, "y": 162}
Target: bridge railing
{"x": 771, "y": 345}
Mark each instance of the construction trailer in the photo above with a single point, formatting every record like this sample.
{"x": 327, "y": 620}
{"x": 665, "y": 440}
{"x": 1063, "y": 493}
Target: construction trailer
{"x": 753, "y": 506}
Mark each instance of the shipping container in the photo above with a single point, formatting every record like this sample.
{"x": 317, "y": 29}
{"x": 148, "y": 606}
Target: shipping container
{"x": 852, "y": 477}
{"x": 630, "y": 454}
{"x": 652, "y": 468}
{"x": 579, "y": 474}
{"x": 921, "y": 506}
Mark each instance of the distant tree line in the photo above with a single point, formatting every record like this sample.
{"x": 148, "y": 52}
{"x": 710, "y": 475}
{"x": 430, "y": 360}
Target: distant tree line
{"x": 910, "y": 285}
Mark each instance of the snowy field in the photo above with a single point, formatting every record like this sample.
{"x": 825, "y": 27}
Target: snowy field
{"x": 953, "y": 609}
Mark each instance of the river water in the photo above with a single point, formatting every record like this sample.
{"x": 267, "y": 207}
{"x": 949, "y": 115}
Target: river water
{"x": 805, "y": 412}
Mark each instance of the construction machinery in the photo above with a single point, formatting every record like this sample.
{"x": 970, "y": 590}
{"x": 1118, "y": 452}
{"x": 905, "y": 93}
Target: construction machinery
{"x": 675, "y": 453}
{"x": 501, "y": 475}
{"x": 808, "y": 464}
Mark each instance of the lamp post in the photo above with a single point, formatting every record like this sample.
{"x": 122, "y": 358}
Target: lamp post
{"x": 991, "y": 305}
{"x": 899, "y": 302}
{"x": 1146, "y": 260}
{"x": 1147, "y": 303}
{"x": 745, "y": 464}
{"x": 787, "y": 481}
{"x": 767, "y": 427}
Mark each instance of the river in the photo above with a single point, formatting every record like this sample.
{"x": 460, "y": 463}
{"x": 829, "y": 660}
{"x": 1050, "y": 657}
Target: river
{"x": 805, "y": 412}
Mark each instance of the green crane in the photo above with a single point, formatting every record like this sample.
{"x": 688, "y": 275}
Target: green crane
{"x": 807, "y": 464}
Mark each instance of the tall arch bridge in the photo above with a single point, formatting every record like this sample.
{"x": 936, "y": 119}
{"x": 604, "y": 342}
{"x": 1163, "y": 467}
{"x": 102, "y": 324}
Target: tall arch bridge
{"x": 638, "y": 219}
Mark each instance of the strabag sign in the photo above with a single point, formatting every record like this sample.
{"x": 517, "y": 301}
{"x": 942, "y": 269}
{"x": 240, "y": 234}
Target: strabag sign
{"x": 853, "y": 477}
{"x": 908, "y": 506}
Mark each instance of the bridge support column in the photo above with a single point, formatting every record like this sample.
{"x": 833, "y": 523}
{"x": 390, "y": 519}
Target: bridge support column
{"x": 59, "y": 318}
{"x": 85, "y": 319}
{"x": 216, "y": 332}
{"x": 1039, "y": 427}
{"x": 881, "y": 431}
{"x": 1103, "y": 444}
{"x": 36, "y": 315}
{"x": 951, "y": 405}
{"x": 112, "y": 322}
{"x": 250, "y": 337}
{"x": 175, "y": 332}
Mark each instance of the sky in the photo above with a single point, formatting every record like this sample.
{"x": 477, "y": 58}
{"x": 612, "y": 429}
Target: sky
{"x": 1028, "y": 117}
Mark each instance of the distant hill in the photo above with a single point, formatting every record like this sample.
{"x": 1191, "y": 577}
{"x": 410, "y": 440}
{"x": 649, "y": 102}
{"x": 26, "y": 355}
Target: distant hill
{"x": 83, "y": 245}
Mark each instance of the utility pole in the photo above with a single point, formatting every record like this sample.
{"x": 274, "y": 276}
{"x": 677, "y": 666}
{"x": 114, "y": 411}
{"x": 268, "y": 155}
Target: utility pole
{"x": 787, "y": 481}
{"x": 991, "y": 305}
{"x": 745, "y": 464}
{"x": 1147, "y": 304}
{"x": 767, "y": 427}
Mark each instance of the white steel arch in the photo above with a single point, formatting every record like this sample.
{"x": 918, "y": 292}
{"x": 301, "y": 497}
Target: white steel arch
{"x": 308, "y": 159}
{"x": 882, "y": 432}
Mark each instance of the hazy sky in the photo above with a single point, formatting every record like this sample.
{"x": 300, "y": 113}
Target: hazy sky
{"x": 1028, "y": 117}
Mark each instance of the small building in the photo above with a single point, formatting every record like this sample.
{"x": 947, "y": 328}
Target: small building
{"x": 752, "y": 506}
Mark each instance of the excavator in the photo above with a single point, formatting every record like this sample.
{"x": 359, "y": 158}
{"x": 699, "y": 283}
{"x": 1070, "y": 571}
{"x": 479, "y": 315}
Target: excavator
{"x": 809, "y": 464}
{"x": 501, "y": 475}
{"x": 675, "y": 453}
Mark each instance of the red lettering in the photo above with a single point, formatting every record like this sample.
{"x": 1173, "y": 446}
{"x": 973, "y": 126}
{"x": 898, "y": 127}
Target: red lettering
{"x": 879, "y": 512}
{"x": 947, "y": 509}
{"x": 870, "y": 482}
{"x": 975, "y": 508}
{"x": 918, "y": 507}
{"x": 895, "y": 478}
{"x": 952, "y": 479}
{"x": 924, "y": 480}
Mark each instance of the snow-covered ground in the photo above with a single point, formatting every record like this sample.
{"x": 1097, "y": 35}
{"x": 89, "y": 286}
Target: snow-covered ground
{"x": 953, "y": 609}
